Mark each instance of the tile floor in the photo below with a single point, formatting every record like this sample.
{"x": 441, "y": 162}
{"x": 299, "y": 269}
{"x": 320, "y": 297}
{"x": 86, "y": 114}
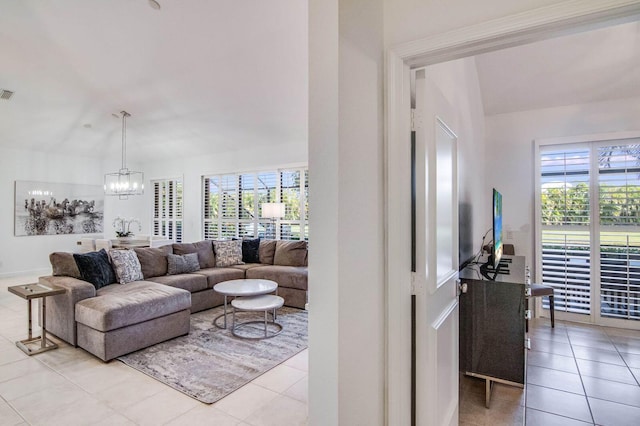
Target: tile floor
{"x": 576, "y": 375}
{"x": 68, "y": 386}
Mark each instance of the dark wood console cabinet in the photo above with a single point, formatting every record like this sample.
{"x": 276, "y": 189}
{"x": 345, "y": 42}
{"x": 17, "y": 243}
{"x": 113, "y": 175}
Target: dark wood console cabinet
{"x": 492, "y": 325}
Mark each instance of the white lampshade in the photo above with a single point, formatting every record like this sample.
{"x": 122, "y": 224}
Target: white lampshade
{"x": 273, "y": 210}
{"x": 124, "y": 183}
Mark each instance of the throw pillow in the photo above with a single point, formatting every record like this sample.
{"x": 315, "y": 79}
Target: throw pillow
{"x": 204, "y": 250}
{"x": 228, "y": 253}
{"x": 95, "y": 268}
{"x": 290, "y": 253}
{"x": 64, "y": 265}
{"x": 182, "y": 264}
{"x": 153, "y": 260}
{"x": 267, "y": 251}
{"x": 126, "y": 265}
{"x": 250, "y": 249}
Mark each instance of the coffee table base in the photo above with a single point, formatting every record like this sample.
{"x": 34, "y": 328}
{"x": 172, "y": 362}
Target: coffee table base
{"x": 267, "y": 335}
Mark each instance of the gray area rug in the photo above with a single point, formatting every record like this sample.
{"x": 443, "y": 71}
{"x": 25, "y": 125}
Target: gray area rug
{"x": 209, "y": 363}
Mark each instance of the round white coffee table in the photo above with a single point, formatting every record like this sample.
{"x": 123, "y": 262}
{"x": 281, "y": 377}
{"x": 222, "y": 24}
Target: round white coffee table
{"x": 266, "y": 303}
{"x": 242, "y": 288}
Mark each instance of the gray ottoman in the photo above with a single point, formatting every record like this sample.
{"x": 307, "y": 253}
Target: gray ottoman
{"x": 129, "y": 317}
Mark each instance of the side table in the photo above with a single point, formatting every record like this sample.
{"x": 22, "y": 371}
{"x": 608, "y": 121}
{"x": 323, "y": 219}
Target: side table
{"x": 30, "y": 292}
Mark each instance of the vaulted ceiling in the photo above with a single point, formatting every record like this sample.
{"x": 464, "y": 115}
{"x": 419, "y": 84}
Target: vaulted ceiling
{"x": 197, "y": 76}
{"x": 200, "y": 76}
{"x": 594, "y": 66}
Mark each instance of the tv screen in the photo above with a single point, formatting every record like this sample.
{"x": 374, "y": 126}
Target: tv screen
{"x": 496, "y": 254}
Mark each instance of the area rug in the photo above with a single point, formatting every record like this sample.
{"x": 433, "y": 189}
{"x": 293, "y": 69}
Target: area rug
{"x": 209, "y": 363}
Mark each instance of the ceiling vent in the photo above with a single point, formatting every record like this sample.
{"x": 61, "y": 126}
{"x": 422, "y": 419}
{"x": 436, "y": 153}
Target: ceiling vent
{"x": 5, "y": 94}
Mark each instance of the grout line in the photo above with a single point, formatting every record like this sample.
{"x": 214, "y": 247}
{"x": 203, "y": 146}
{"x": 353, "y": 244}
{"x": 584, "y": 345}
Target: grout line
{"x": 586, "y": 397}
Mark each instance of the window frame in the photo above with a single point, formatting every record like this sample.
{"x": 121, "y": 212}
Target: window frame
{"x": 168, "y": 226}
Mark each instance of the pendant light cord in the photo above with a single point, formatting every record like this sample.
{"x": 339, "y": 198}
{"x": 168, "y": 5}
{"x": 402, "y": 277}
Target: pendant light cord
{"x": 125, "y": 114}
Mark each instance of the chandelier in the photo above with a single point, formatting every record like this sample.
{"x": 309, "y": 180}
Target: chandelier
{"x": 124, "y": 182}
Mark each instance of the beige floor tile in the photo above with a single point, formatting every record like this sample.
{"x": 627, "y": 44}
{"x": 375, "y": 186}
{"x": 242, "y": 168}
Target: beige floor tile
{"x": 632, "y": 360}
{"x": 553, "y": 361}
{"x": 611, "y": 413}
{"x": 39, "y": 404}
{"x": 99, "y": 377}
{"x": 599, "y": 355}
{"x": 9, "y": 416}
{"x": 540, "y": 418}
{"x": 20, "y": 368}
{"x": 85, "y": 411}
{"x": 11, "y": 354}
{"x": 612, "y": 391}
{"x": 601, "y": 370}
{"x": 558, "y": 402}
{"x": 280, "y": 378}
{"x": 281, "y": 411}
{"x": 554, "y": 379}
{"x": 243, "y": 402}
{"x": 299, "y": 391}
{"x": 299, "y": 361}
{"x": 160, "y": 408}
{"x": 30, "y": 383}
{"x": 130, "y": 391}
{"x": 115, "y": 419}
{"x": 204, "y": 414}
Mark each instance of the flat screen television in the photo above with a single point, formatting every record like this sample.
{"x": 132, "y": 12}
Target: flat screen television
{"x": 496, "y": 251}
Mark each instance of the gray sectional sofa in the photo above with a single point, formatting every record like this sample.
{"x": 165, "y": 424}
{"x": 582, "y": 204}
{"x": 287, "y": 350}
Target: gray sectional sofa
{"x": 120, "y": 318}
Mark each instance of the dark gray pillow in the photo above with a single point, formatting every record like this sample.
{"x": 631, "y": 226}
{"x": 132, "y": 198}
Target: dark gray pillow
{"x": 250, "y": 248}
{"x": 182, "y": 264}
{"x": 95, "y": 268}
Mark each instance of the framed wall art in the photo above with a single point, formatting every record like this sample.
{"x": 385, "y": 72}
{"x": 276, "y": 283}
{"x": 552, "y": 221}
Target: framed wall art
{"x": 45, "y": 208}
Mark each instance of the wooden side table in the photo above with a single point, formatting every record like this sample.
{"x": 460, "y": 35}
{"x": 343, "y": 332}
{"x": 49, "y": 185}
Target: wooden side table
{"x": 30, "y": 292}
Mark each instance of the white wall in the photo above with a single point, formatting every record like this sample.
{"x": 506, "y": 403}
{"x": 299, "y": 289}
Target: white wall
{"x": 30, "y": 254}
{"x": 346, "y": 272}
{"x": 510, "y": 161}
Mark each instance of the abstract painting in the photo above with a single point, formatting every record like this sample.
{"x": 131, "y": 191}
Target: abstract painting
{"x": 44, "y": 208}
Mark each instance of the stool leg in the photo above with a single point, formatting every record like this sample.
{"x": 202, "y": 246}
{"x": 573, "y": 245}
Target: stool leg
{"x": 526, "y": 321}
{"x": 551, "y": 308}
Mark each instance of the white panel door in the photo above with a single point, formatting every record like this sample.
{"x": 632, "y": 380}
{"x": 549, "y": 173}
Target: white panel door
{"x": 436, "y": 153}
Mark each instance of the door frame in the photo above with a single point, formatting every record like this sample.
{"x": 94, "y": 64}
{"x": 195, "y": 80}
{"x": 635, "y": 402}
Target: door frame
{"x": 538, "y": 24}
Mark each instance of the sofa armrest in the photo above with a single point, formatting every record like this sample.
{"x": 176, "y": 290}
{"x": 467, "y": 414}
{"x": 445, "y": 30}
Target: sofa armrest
{"x": 61, "y": 320}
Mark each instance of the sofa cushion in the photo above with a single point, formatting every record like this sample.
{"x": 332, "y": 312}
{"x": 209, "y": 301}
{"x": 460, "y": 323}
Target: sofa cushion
{"x": 153, "y": 261}
{"x": 285, "y": 276}
{"x": 126, "y": 266}
{"x": 182, "y": 264}
{"x": 130, "y": 304}
{"x": 204, "y": 249}
{"x": 190, "y": 282}
{"x": 64, "y": 265}
{"x": 266, "y": 251}
{"x": 290, "y": 253}
{"x": 228, "y": 253}
{"x": 217, "y": 275}
{"x": 250, "y": 250}
{"x": 95, "y": 268}
{"x": 246, "y": 266}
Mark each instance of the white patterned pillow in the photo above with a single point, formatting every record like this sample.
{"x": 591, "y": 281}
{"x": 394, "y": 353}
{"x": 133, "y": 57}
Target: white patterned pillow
{"x": 126, "y": 265}
{"x": 228, "y": 253}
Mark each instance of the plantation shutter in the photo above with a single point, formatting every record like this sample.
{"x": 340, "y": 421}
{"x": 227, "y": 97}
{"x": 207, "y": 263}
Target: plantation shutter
{"x": 167, "y": 209}
{"x": 566, "y": 245}
{"x": 232, "y": 204}
{"x": 619, "y": 191}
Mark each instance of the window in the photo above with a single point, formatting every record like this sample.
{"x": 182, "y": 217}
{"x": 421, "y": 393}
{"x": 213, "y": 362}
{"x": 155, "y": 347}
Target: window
{"x": 167, "y": 208}
{"x": 232, "y": 204}
{"x": 589, "y": 208}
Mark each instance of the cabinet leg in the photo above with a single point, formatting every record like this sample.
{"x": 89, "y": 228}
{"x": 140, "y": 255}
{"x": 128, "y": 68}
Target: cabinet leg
{"x": 487, "y": 392}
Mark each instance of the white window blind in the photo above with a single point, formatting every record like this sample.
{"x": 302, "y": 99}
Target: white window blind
{"x": 232, "y": 204}
{"x": 565, "y": 215}
{"x": 167, "y": 208}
